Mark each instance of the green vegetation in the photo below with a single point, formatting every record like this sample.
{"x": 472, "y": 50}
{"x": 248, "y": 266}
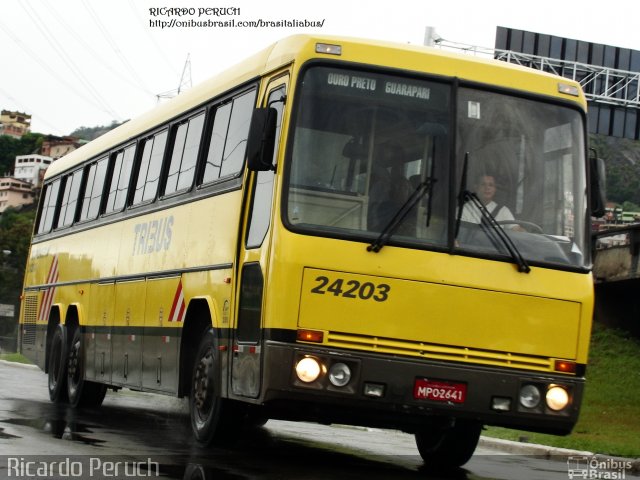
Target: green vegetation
{"x": 11, "y": 147}
{"x": 622, "y": 161}
{"x": 15, "y": 234}
{"x": 610, "y": 417}
{"x": 14, "y": 357}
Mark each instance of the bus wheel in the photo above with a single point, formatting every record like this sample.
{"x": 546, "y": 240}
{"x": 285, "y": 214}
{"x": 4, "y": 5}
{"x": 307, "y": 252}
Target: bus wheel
{"x": 448, "y": 446}
{"x": 58, "y": 365}
{"x": 205, "y": 404}
{"x": 82, "y": 393}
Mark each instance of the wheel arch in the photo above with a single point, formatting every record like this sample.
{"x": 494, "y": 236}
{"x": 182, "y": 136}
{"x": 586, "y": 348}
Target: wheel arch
{"x": 199, "y": 318}
{"x": 53, "y": 321}
{"x": 73, "y": 318}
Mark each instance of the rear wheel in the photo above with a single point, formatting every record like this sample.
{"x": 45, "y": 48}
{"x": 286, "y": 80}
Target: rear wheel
{"x": 81, "y": 392}
{"x": 57, "y": 374}
{"x": 211, "y": 419}
{"x": 448, "y": 444}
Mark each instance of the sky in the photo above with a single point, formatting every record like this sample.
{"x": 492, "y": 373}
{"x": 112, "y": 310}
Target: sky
{"x": 73, "y": 63}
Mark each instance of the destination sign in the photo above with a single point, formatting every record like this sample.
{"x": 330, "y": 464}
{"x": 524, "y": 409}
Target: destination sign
{"x": 363, "y": 82}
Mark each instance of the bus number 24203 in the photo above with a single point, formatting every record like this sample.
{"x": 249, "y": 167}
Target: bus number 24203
{"x": 352, "y": 289}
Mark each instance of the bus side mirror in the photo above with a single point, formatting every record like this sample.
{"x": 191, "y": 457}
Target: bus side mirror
{"x": 597, "y": 184}
{"x": 261, "y": 140}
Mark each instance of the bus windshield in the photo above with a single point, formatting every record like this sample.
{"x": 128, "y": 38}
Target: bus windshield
{"x": 367, "y": 144}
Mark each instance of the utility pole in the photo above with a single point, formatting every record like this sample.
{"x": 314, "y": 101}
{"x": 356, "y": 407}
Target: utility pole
{"x": 185, "y": 81}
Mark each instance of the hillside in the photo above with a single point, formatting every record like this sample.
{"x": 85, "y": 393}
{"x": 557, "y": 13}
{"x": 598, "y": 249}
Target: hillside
{"x": 91, "y": 133}
{"x": 622, "y": 160}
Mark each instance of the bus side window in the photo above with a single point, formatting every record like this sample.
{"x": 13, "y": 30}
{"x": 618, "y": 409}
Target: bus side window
{"x": 229, "y": 138}
{"x": 120, "y": 179}
{"x": 262, "y": 200}
{"x": 69, "y": 202}
{"x": 216, "y": 147}
{"x": 150, "y": 168}
{"x": 186, "y": 144}
{"x": 236, "y": 143}
{"x": 49, "y": 207}
{"x": 93, "y": 191}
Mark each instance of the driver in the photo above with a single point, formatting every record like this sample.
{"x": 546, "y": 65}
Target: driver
{"x": 486, "y": 190}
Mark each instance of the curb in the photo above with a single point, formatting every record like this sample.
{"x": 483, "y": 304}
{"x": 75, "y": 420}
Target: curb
{"x": 521, "y": 448}
{"x": 19, "y": 365}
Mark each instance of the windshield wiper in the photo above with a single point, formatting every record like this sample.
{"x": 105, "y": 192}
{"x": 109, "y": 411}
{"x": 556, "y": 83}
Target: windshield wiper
{"x": 397, "y": 219}
{"x": 489, "y": 220}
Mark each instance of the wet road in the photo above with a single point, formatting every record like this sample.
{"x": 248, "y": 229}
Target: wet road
{"x": 139, "y": 435}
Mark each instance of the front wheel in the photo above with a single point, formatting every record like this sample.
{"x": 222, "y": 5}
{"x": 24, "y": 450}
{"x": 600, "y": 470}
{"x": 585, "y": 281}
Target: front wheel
{"x": 209, "y": 412}
{"x": 81, "y": 392}
{"x": 57, "y": 373}
{"x": 448, "y": 445}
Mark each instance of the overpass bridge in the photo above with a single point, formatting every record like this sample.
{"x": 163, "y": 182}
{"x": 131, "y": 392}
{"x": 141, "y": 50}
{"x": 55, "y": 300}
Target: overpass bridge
{"x": 616, "y": 271}
{"x": 609, "y": 76}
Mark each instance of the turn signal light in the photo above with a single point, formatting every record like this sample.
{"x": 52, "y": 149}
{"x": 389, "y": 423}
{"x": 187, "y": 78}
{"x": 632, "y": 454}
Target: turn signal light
{"x": 310, "y": 336}
{"x": 565, "y": 366}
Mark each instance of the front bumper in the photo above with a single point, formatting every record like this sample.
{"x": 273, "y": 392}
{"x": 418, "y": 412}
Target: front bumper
{"x": 286, "y": 397}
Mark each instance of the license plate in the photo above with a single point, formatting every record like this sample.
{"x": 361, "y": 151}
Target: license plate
{"x": 439, "y": 390}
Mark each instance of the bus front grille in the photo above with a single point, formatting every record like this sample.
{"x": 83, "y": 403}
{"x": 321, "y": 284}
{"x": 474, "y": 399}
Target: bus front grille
{"x": 438, "y": 352}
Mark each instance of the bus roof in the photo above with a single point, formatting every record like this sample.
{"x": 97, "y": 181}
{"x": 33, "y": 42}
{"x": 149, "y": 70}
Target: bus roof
{"x": 302, "y": 47}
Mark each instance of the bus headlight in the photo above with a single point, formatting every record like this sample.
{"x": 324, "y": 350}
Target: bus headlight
{"x": 557, "y": 397}
{"x": 308, "y": 369}
{"x": 339, "y": 374}
{"x": 530, "y": 396}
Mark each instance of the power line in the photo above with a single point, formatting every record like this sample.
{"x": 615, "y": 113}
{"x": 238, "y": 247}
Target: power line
{"x": 74, "y": 70}
{"x": 33, "y": 113}
{"x": 47, "y": 68}
{"x": 114, "y": 46}
{"x": 94, "y": 54}
{"x": 160, "y": 52}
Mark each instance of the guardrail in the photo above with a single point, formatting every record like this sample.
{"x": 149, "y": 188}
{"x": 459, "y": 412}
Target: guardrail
{"x": 616, "y": 254}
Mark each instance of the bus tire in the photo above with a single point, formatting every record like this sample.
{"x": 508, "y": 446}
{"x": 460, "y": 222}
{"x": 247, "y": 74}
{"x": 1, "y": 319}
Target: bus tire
{"x": 210, "y": 418}
{"x": 57, "y": 373}
{"x": 81, "y": 392}
{"x": 448, "y": 446}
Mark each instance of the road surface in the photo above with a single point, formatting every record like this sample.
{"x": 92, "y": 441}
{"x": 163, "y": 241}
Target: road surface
{"x": 140, "y": 435}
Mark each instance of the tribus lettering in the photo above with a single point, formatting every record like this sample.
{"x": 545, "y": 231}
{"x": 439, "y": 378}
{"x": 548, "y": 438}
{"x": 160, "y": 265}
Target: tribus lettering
{"x": 153, "y": 236}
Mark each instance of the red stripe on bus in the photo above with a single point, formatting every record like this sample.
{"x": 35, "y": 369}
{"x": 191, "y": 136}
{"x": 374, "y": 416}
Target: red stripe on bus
{"x": 175, "y": 301}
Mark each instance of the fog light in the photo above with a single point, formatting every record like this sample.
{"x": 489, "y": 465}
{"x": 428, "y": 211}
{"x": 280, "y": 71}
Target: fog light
{"x": 339, "y": 374}
{"x": 374, "y": 390}
{"x": 530, "y": 396}
{"x": 308, "y": 369}
{"x": 557, "y": 397}
{"x": 501, "y": 404}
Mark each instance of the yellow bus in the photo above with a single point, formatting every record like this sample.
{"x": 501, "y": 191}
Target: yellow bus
{"x": 334, "y": 230}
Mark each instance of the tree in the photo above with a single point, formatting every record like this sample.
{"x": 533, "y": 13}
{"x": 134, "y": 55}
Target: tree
{"x": 15, "y": 236}
{"x": 11, "y": 147}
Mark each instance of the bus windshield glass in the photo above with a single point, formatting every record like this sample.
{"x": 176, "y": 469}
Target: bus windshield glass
{"x": 373, "y": 150}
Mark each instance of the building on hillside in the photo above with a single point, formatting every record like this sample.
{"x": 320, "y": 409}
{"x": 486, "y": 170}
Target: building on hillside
{"x": 14, "y": 124}
{"x": 15, "y": 193}
{"x": 56, "y": 147}
{"x": 27, "y": 168}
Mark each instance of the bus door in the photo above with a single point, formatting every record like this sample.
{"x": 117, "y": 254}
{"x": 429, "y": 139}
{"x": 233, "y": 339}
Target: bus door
{"x": 246, "y": 363}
